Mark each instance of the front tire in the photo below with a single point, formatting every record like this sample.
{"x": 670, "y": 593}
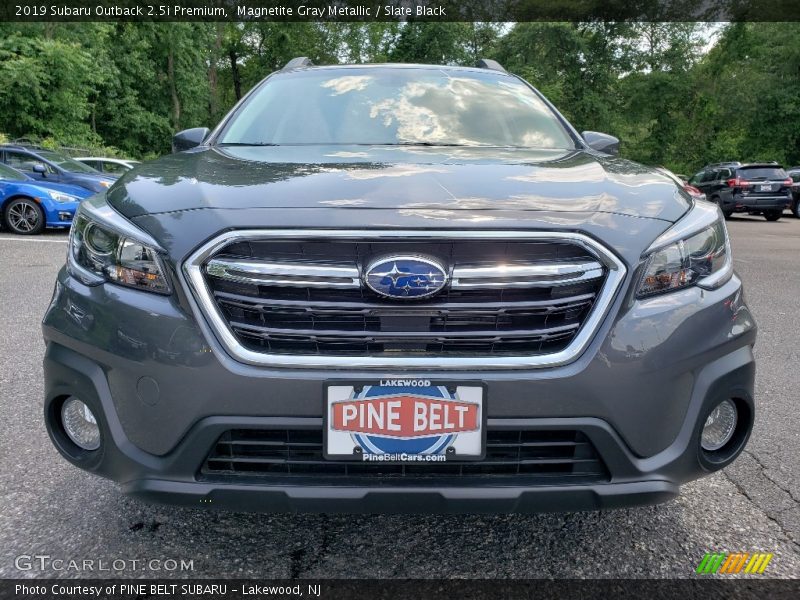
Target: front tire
{"x": 796, "y": 209}
{"x": 773, "y": 215}
{"x": 24, "y": 217}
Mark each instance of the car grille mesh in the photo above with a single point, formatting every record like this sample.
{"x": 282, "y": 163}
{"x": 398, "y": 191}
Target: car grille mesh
{"x": 313, "y": 308}
{"x": 547, "y": 456}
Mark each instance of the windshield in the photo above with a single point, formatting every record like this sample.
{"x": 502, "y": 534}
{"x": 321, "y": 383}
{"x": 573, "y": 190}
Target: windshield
{"x": 396, "y": 106}
{"x": 9, "y": 174}
{"x": 65, "y": 162}
{"x": 761, "y": 173}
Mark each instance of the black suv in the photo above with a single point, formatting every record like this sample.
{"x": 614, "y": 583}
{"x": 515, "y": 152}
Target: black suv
{"x": 52, "y": 166}
{"x": 754, "y": 188}
{"x": 794, "y": 174}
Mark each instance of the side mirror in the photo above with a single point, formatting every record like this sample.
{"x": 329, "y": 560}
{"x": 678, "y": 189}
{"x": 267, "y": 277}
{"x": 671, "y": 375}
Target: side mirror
{"x": 189, "y": 138}
{"x": 40, "y": 168}
{"x": 602, "y": 142}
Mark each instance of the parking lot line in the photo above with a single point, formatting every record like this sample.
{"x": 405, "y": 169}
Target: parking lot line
{"x": 21, "y": 239}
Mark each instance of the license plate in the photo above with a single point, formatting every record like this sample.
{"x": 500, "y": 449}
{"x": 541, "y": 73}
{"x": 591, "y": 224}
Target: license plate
{"x": 404, "y": 421}
{"x": 765, "y": 188}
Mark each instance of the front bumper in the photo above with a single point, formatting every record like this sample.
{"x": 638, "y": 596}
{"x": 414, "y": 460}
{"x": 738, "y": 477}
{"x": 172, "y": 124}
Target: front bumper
{"x": 404, "y": 500}
{"x": 59, "y": 214}
{"x": 164, "y": 392}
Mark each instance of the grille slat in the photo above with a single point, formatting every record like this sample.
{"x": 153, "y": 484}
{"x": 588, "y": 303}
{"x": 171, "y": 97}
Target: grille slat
{"x": 332, "y": 335}
{"x": 265, "y": 443}
{"x": 322, "y": 307}
{"x": 503, "y": 317}
{"x": 518, "y": 456}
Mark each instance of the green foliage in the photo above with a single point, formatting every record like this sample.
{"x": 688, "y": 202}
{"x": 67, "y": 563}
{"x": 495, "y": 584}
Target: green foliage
{"x": 430, "y": 42}
{"x": 125, "y": 88}
{"x": 748, "y": 94}
{"x": 45, "y": 87}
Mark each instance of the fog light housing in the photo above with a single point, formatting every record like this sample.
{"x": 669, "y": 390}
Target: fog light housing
{"x": 80, "y": 424}
{"x": 719, "y": 426}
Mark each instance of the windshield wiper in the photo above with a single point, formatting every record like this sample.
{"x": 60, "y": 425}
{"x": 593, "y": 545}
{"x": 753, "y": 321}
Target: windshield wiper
{"x": 447, "y": 145}
{"x": 246, "y": 144}
{"x": 430, "y": 144}
{"x": 421, "y": 143}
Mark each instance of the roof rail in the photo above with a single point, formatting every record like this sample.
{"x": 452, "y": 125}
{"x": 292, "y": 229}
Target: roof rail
{"x": 296, "y": 63}
{"x": 727, "y": 163}
{"x": 488, "y": 63}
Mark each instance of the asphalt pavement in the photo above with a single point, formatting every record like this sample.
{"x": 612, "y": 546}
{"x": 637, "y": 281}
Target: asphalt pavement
{"x": 49, "y": 508}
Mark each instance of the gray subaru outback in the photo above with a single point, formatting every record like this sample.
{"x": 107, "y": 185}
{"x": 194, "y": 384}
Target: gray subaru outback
{"x": 398, "y": 288}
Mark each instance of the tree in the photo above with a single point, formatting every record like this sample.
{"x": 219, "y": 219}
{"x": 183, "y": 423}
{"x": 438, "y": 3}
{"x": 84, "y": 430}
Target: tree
{"x": 46, "y": 87}
{"x": 432, "y": 42}
{"x": 657, "y": 88}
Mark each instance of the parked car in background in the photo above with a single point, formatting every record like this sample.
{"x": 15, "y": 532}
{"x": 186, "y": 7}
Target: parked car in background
{"x": 54, "y": 167}
{"x": 113, "y": 167}
{"x": 28, "y": 206}
{"x": 756, "y": 188}
{"x": 794, "y": 174}
{"x": 681, "y": 181}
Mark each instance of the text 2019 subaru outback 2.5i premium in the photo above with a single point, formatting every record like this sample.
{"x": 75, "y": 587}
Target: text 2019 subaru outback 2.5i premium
{"x": 398, "y": 288}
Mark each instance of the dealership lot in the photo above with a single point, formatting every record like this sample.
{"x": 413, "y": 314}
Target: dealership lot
{"x": 48, "y": 507}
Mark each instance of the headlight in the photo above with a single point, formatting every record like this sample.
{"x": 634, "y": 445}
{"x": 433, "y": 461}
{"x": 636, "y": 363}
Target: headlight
{"x": 99, "y": 252}
{"x": 695, "y": 251}
{"x": 104, "y": 183}
{"x": 61, "y": 197}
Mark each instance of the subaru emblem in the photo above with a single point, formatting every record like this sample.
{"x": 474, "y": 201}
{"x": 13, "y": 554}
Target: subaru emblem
{"x": 405, "y": 276}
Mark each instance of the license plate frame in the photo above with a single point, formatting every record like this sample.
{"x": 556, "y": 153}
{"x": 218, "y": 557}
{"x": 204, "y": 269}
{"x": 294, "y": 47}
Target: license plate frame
{"x": 453, "y": 449}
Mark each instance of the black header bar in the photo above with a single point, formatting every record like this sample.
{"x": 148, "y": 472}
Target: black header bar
{"x": 756, "y": 588}
{"x": 399, "y": 10}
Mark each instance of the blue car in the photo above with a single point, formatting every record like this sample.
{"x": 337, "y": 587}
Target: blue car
{"x": 53, "y": 167}
{"x": 28, "y": 205}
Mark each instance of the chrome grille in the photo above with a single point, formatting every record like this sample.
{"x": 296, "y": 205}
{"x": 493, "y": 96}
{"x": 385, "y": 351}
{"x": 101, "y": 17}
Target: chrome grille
{"x": 297, "y": 298}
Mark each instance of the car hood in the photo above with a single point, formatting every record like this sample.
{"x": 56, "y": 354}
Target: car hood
{"x": 350, "y": 177}
{"x": 73, "y": 190}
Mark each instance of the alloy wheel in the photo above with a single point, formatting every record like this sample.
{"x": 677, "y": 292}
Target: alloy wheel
{"x": 23, "y": 216}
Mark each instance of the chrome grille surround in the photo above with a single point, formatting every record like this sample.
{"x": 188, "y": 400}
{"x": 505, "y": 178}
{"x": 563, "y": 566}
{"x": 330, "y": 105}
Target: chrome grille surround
{"x": 207, "y": 308}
